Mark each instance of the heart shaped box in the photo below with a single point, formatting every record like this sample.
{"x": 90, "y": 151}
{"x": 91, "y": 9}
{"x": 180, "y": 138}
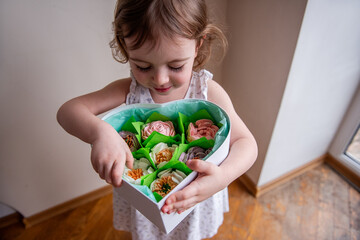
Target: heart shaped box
{"x": 138, "y": 199}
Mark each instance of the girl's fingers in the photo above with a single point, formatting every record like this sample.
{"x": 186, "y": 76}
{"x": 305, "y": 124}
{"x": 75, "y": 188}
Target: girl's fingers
{"x": 95, "y": 164}
{"x": 182, "y": 199}
{"x": 181, "y": 210}
{"x": 101, "y": 171}
{"x": 129, "y": 159}
{"x": 188, "y": 192}
{"x": 111, "y": 167}
{"x": 107, "y": 172}
{"x": 96, "y": 167}
{"x": 118, "y": 168}
{"x": 170, "y": 199}
{"x": 201, "y": 166}
{"x": 185, "y": 204}
{"x": 116, "y": 173}
{"x": 180, "y": 205}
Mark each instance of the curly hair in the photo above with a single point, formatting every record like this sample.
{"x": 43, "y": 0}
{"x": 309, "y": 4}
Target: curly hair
{"x": 146, "y": 20}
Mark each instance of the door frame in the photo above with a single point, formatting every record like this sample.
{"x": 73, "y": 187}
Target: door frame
{"x": 345, "y": 134}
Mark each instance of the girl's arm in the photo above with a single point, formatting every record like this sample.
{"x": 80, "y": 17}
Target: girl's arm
{"x": 212, "y": 178}
{"x": 78, "y": 117}
{"x": 243, "y": 148}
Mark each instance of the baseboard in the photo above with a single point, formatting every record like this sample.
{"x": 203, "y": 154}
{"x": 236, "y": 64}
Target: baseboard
{"x": 260, "y": 190}
{"x": 345, "y": 171}
{"x": 10, "y": 219}
{"x": 66, "y": 206}
{"x": 249, "y": 184}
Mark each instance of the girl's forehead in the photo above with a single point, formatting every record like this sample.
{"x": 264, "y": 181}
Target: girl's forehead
{"x": 163, "y": 46}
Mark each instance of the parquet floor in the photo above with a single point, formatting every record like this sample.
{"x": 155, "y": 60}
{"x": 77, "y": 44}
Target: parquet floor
{"x": 316, "y": 205}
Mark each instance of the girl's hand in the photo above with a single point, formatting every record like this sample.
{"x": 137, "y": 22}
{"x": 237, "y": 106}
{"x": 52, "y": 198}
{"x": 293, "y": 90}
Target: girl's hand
{"x": 109, "y": 154}
{"x": 209, "y": 181}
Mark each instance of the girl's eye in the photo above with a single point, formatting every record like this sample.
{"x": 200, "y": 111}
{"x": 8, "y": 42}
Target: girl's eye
{"x": 144, "y": 69}
{"x": 176, "y": 69}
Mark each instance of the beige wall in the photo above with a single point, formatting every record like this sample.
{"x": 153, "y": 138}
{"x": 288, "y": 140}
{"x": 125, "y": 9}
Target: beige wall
{"x": 217, "y": 11}
{"x": 263, "y": 36}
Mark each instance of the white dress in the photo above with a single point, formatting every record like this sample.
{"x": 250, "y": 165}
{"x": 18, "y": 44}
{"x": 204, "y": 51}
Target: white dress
{"x": 207, "y": 216}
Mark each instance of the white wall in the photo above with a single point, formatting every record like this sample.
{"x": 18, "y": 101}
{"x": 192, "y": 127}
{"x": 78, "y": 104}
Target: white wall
{"x": 324, "y": 76}
{"x": 51, "y": 51}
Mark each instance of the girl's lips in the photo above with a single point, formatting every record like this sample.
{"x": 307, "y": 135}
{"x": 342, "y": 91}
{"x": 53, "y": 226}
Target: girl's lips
{"x": 162, "y": 90}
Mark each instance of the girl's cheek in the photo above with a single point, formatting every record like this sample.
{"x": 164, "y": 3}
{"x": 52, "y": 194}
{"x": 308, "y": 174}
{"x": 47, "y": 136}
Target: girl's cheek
{"x": 179, "y": 79}
{"x": 141, "y": 79}
{"x": 185, "y": 77}
{"x": 139, "y": 75}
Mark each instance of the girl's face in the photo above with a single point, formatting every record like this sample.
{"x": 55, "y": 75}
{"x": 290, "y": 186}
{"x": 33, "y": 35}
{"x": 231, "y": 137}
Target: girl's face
{"x": 166, "y": 68}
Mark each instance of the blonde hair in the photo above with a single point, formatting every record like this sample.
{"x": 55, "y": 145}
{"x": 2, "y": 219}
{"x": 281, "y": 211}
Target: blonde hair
{"x": 147, "y": 19}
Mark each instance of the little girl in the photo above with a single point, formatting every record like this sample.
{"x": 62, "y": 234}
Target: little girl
{"x": 166, "y": 42}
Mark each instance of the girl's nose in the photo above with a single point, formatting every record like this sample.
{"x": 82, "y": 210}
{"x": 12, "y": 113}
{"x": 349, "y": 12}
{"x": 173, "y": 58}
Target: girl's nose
{"x": 161, "y": 77}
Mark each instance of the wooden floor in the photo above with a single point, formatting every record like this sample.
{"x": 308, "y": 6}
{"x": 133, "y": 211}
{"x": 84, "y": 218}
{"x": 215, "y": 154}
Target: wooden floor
{"x": 316, "y": 205}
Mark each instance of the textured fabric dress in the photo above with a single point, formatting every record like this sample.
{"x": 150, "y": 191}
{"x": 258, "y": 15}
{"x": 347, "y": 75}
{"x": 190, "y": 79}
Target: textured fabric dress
{"x": 207, "y": 216}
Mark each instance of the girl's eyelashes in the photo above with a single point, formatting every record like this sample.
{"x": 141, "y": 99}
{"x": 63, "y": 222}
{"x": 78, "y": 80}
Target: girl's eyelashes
{"x": 146, "y": 69}
{"x": 176, "y": 69}
{"x": 143, "y": 69}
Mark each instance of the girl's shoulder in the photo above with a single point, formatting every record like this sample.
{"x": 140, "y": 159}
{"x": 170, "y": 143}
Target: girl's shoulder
{"x": 215, "y": 90}
{"x": 218, "y": 95}
{"x": 118, "y": 88}
{"x": 112, "y": 95}
{"x": 120, "y": 84}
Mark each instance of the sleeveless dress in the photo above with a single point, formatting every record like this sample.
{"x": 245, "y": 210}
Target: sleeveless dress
{"x": 207, "y": 216}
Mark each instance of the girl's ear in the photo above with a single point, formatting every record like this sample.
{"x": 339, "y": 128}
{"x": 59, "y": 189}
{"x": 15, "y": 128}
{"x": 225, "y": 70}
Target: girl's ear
{"x": 199, "y": 45}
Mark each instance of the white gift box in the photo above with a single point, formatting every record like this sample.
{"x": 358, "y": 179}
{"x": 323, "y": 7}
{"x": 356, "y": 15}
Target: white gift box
{"x": 143, "y": 203}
